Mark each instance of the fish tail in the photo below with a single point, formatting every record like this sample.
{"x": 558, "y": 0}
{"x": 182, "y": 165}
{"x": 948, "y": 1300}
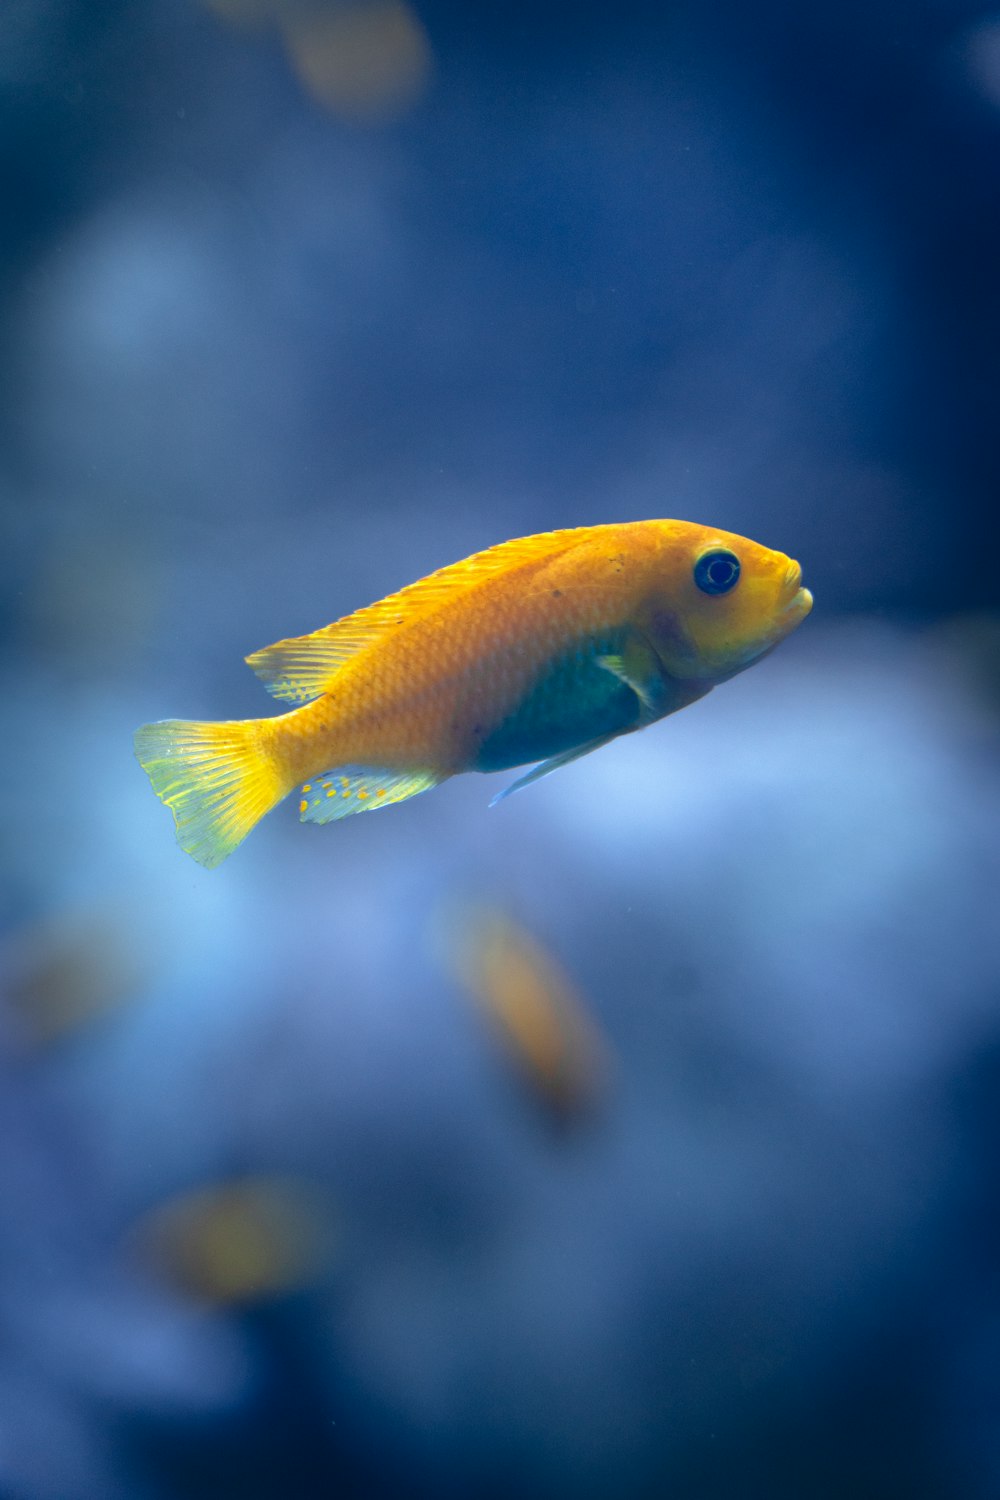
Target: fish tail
{"x": 217, "y": 779}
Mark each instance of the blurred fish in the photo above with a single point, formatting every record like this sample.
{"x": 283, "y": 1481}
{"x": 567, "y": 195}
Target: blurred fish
{"x": 67, "y": 972}
{"x": 240, "y": 1241}
{"x": 534, "y": 1008}
{"x": 367, "y": 61}
{"x": 540, "y": 649}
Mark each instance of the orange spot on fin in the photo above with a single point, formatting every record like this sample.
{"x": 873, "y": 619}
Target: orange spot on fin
{"x": 365, "y": 788}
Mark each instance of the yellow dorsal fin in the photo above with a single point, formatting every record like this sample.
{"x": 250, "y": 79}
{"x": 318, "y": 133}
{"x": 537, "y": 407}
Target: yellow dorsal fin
{"x": 303, "y": 666}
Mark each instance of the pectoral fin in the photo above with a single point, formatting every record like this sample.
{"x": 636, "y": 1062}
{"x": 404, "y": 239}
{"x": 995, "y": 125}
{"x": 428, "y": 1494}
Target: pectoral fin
{"x": 638, "y": 666}
{"x": 553, "y": 764}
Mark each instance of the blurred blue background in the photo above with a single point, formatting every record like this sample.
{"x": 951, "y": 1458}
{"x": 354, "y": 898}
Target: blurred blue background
{"x": 300, "y": 301}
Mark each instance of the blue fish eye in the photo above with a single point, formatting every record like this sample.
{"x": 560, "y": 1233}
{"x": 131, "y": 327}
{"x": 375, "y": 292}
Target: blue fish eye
{"x": 717, "y": 572}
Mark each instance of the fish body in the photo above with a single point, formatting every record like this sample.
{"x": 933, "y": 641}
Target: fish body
{"x": 536, "y": 650}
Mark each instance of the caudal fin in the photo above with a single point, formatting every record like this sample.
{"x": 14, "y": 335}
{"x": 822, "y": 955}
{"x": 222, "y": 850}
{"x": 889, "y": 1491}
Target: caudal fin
{"x": 217, "y": 779}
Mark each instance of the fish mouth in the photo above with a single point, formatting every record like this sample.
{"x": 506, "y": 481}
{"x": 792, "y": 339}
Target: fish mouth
{"x": 798, "y": 601}
{"x": 794, "y": 612}
{"x": 792, "y": 580}
{"x": 786, "y": 619}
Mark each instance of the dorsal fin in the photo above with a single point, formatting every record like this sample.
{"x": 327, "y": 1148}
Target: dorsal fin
{"x": 303, "y": 666}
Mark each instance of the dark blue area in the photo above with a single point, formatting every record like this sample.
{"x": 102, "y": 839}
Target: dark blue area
{"x": 264, "y": 360}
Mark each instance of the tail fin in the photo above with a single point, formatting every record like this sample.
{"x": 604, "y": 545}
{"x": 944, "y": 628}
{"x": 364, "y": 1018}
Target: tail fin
{"x": 217, "y": 779}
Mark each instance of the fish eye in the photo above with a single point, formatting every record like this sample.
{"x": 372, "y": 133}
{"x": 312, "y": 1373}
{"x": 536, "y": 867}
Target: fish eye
{"x": 717, "y": 572}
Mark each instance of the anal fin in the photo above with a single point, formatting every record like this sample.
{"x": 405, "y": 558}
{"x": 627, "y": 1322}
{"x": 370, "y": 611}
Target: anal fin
{"x": 354, "y": 789}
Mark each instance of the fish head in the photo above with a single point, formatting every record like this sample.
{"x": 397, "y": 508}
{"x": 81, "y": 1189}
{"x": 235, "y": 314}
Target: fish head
{"x": 721, "y": 602}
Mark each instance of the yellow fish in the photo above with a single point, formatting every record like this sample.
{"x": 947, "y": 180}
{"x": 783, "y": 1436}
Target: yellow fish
{"x": 535, "y": 1010}
{"x": 240, "y": 1241}
{"x": 537, "y": 650}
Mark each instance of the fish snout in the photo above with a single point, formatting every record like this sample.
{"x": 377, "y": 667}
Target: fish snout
{"x": 794, "y": 602}
{"x": 792, "y": 580}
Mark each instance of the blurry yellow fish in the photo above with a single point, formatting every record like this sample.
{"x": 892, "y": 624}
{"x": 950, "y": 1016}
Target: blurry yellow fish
{"x": 240, "y": 1241}
{"x": 68, "y": 971}
{"x": 540, "y": 649}
{"x": 535, "y": 1009}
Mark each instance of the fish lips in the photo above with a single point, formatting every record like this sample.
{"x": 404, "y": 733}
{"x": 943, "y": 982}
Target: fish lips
{"x": 798, "y": 605}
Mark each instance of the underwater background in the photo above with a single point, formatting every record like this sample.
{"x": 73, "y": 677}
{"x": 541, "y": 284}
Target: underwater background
{"x": 638, "y": 1137}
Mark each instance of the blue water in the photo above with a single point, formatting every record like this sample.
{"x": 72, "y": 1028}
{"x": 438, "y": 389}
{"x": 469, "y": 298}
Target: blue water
{"x": 286, "y": 328}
